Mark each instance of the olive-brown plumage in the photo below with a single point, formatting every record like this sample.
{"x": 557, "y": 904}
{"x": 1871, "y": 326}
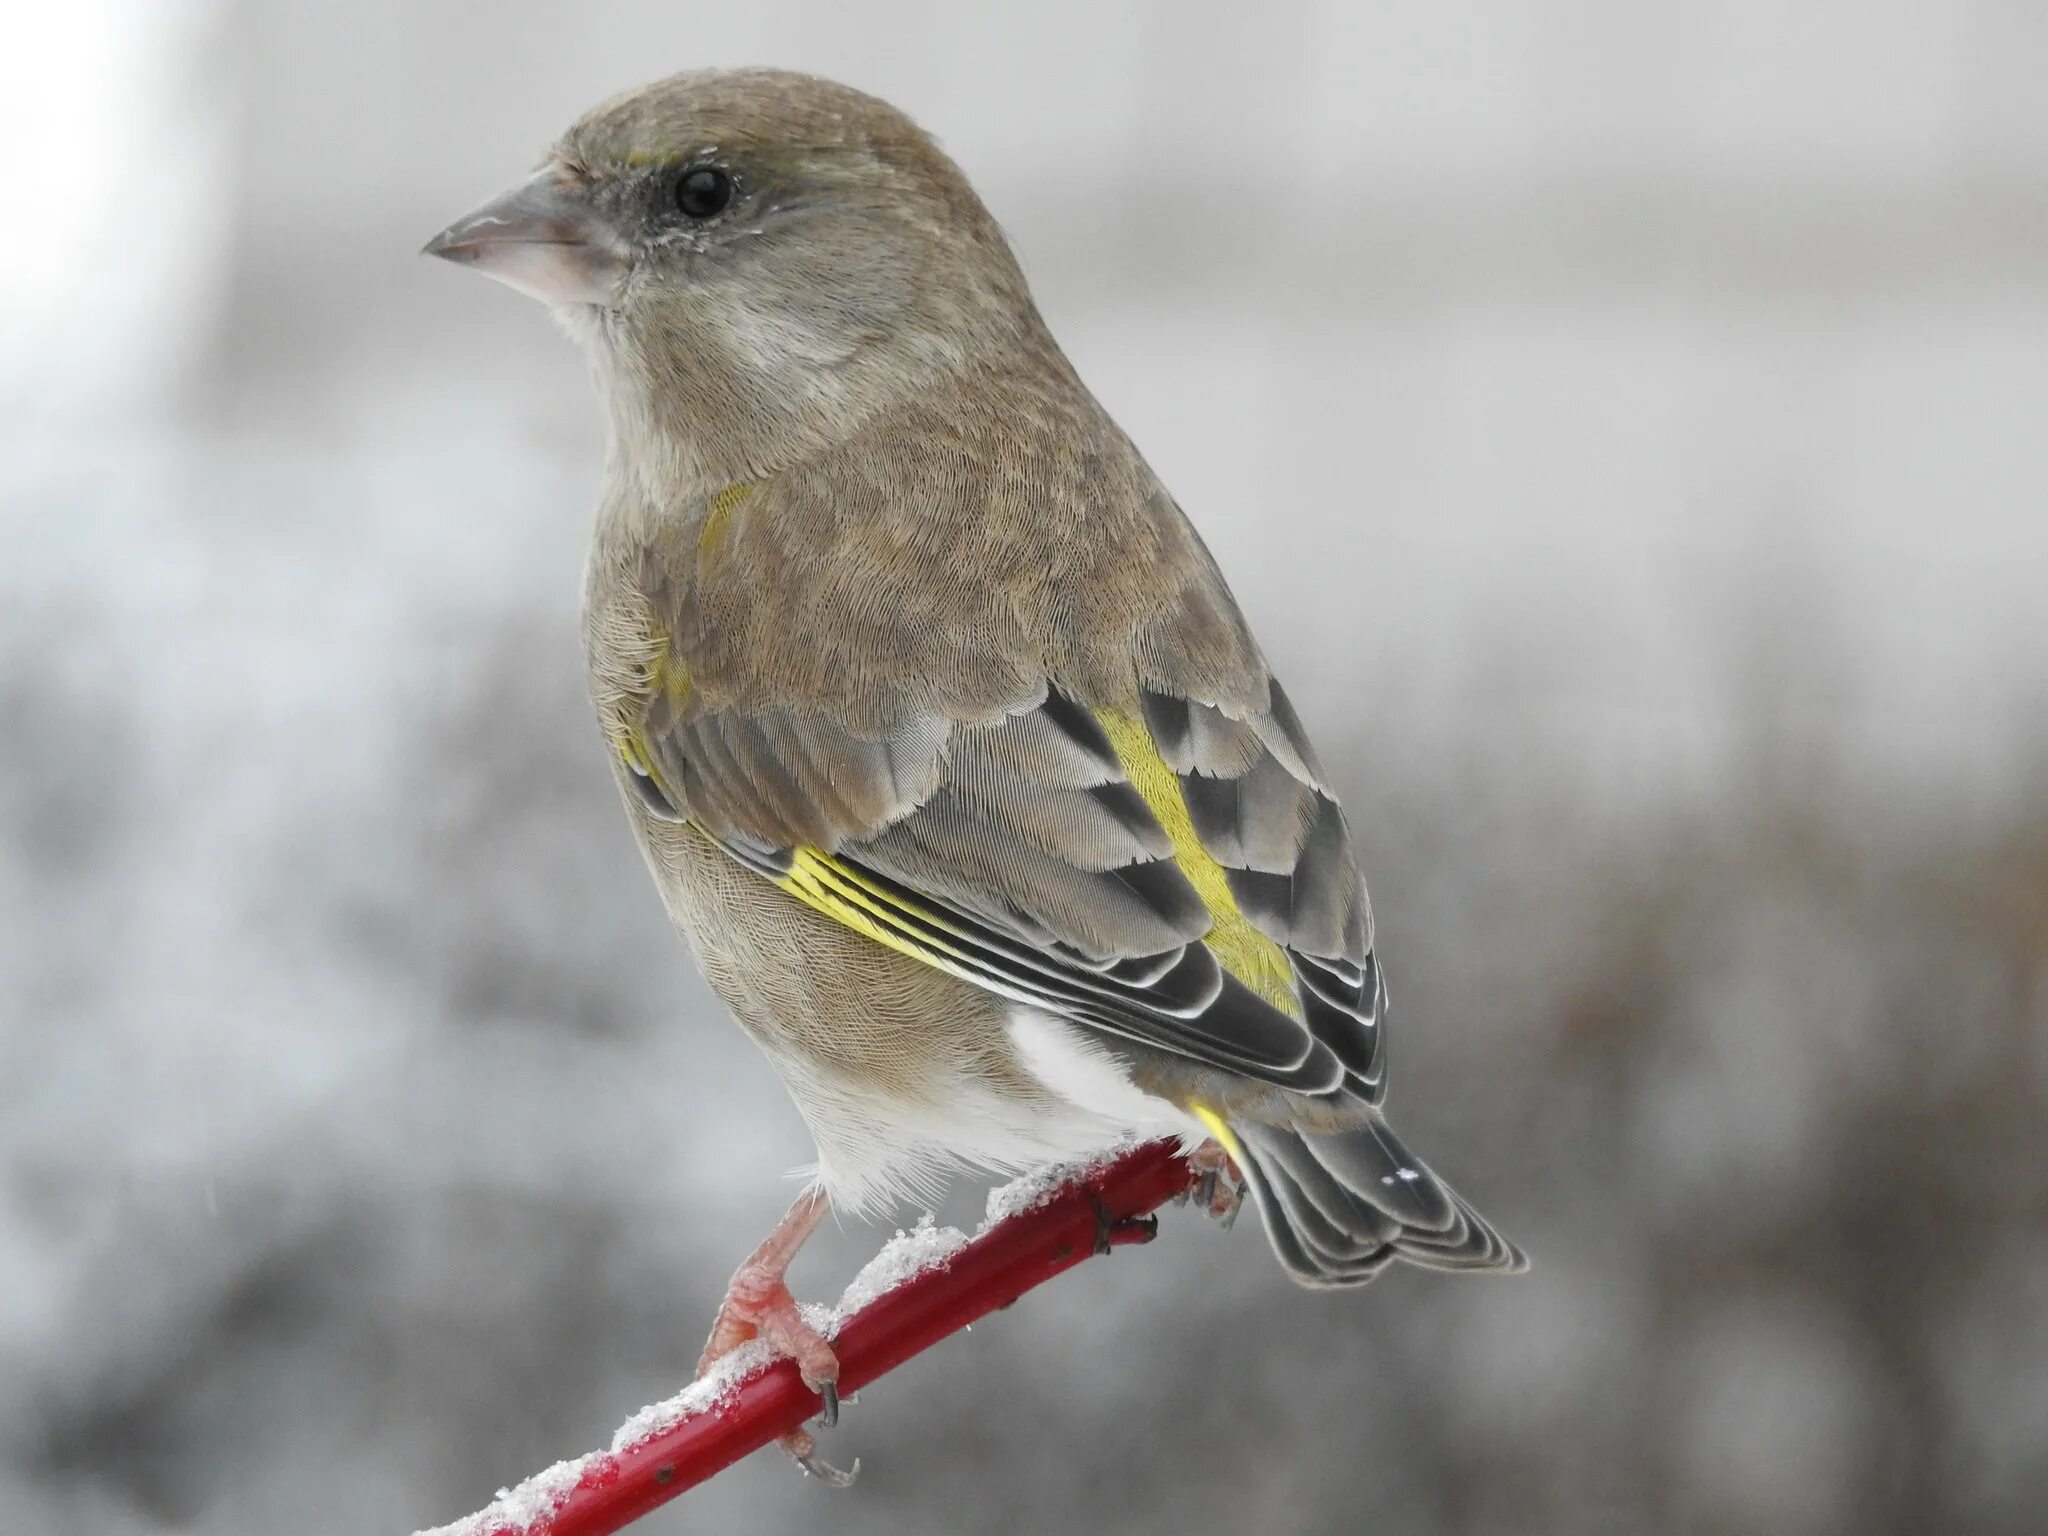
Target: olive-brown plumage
{"x": 950, "y": 751}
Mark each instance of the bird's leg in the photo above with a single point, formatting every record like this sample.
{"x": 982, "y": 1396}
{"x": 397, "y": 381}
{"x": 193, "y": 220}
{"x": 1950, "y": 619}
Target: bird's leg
{"x": 758, "y": 1305}
{"x": 1217, "y": 1185}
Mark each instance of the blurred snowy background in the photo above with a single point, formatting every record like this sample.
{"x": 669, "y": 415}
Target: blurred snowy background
{"x": 1625, "y": 425}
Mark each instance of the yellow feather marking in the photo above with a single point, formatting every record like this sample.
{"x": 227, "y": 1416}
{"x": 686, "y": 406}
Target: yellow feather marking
{"x": 668, "y": 676}
{"x": 821, "y": 882}
{"x": 849, "y": 898}
{"x": 634, "y": 750}
{"x": 1240, "y": 948}
{"x": 718, "y": 513}
{"x": 866, "y": 891}
{"x": 662, "y": 676}
{"x": 1213, "y": 1122}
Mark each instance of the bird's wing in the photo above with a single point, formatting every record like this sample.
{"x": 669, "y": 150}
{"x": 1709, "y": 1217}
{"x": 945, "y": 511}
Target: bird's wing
{"x": 1167, "y": 872}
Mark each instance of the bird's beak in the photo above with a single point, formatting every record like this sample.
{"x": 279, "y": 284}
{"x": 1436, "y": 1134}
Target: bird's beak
{"x": 545, "y": 239}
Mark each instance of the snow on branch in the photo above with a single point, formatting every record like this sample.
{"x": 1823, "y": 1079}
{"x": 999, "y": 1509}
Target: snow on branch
{"x": 923, "y": 1285}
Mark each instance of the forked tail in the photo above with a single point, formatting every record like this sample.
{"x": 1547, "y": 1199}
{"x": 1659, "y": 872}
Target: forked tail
{"x": 1340, "y": 1206}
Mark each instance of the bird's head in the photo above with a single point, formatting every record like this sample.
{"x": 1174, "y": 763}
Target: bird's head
{"x": 757, "y": 260}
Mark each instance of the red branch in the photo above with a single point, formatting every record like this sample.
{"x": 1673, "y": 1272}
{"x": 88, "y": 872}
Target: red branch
{"x": 616, "y": 1488}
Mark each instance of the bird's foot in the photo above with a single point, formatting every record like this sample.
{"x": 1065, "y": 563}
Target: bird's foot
{"x": 758, "y": 1305}
{"x": 1216, "y": 1186}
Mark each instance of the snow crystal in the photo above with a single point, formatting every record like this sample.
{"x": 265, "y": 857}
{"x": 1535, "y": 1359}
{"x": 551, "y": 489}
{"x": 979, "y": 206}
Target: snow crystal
{"x": 902, "y": 1259}
{"x": 517, "y": 1509}
{"x": 1041, "y": 1185}
{"x": 706, "y": 1392}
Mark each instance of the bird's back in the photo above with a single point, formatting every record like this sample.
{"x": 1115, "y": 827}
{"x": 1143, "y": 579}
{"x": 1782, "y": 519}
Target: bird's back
{"x": 948, "y": 557}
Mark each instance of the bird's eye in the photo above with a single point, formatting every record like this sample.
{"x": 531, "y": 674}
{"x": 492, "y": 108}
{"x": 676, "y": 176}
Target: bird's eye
{"x": 704, "y": 191}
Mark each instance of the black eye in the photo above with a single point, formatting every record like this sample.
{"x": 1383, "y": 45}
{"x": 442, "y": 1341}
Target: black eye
{"x": 704, "y": 191}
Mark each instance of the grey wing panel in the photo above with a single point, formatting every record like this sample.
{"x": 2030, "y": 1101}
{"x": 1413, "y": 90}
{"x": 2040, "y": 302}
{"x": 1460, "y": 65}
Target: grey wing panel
{"x": 1255, "y": 797}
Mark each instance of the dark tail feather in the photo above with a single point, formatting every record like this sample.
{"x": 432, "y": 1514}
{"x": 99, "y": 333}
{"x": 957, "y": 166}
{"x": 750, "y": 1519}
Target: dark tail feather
{"x": 1339, "y": 1208}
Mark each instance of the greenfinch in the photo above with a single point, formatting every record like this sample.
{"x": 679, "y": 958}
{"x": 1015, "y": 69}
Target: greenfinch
{"x": 952, "y": 756}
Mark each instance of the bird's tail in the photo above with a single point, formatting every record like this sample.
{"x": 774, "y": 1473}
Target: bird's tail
{"x": 1340, "y": 1206}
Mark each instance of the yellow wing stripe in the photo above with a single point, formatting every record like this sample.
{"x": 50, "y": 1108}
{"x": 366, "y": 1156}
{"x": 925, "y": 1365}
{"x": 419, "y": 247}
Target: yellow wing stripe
{"x": 841, "y": 893}
{"x": 1239, "y": 948}
{"x": 821, "y": 882}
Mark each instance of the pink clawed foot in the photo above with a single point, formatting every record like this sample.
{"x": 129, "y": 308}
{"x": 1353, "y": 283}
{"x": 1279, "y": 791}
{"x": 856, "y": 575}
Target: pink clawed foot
{"x": 758, "y": 1305}
{"x": 1217, "y": 1185}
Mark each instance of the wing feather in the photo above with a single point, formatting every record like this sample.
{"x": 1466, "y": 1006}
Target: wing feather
{"x": 1173, "y": 874}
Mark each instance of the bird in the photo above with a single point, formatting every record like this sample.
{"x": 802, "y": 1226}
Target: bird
{"x": 954, "y": 760}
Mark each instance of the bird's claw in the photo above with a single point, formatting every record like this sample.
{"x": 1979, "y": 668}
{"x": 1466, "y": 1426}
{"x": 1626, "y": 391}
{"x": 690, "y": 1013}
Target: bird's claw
{"x": 828, "y": 1415}
{"x": 826, "y": 1473}
{"x": 804, "y": 1451}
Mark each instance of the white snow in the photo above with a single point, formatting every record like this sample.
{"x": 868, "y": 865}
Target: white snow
{"x": 701, "y": 1395}
{"x": 517, "y": 1509}
{"x": 904, "y": 1257}
{"x": 1035, "y": 1189}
